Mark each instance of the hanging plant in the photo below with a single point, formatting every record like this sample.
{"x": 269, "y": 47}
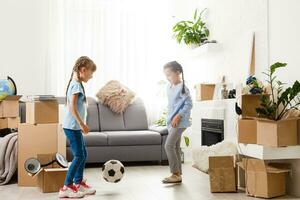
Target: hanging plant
{"x": 280, "y": 100}
{"x": 192, "y": 33}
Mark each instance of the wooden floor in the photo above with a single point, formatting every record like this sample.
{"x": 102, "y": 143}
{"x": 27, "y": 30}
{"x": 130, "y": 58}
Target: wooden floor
{"x": 140, "y": 182}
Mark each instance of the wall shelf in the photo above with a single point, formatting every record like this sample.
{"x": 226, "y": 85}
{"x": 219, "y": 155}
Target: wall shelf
{"x": 269, "y": 153}
{"x": 207, "y": 47}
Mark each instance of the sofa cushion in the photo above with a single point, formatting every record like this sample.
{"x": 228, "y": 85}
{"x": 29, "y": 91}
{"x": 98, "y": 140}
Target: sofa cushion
{"x": 127, "y": 138}
{"x": 92, "y": 118}
{"x": 135, "y": 117}
{"x": 116, "y": 96}
{"x": 94, "y": 139}
{"x": 110, "y": 121}
{"x": 163, "y": 130}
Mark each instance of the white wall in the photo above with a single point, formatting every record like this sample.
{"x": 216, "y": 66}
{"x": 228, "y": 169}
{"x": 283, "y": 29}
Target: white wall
{"x": 23, "y": 39}
{"x": 277, "y": 28}
{"x": 284, "y": 37}
{"x": 231, "y": 23}
{"x": 24, "y": 34}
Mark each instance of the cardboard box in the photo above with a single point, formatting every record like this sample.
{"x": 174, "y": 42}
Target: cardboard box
{"x": 205, "y": 92}
{"x": 10, "y": 122}
{"x": 277, "y": 133}
{"x": 249, "y": 103}
{"x": 51, "y": 180}
{"x": 37, "y": 139}
{"x": 240, "y": 172}
{"x": 9, "y": 107}
{"x": 42, "y": 112}
{"x": 264, "y": 180}
{"x": 241, "y": 182}
{"x": 52, "y": 177}
{"x": 222, "y": 174}
{"x": 247, "y": 131}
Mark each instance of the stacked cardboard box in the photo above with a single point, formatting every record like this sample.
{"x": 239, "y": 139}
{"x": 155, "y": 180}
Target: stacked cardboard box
{"x": 261, "y": 178}
{"x": 247, "y": 131}
{"x": 254, "y": 130}
{"x": 41, "y": 134}
{"x": 9, "y": 114}
{"x": 277, "y": 133}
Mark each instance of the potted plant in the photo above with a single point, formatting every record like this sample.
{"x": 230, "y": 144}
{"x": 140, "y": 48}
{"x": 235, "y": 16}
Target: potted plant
{"x": 192, "y": 33}
{"x": 281, "y": 101}
{"x": 272, "y": 128}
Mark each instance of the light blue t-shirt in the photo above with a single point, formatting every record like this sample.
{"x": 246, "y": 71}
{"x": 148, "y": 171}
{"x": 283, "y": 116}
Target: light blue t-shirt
{"x": 179, "y": 103}
{"x": 69, "y": 120}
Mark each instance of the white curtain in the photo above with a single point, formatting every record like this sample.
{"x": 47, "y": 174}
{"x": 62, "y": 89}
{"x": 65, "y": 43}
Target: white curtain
{"x": 129, "y": 40}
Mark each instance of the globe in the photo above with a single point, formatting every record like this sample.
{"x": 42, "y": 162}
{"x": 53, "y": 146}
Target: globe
{"x": 6, "y": 88}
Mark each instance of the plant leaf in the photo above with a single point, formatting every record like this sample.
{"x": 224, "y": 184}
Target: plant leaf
{"x": 195, "y": 14}
{"x": 187, "y": 140}
{"x": 275, "y": 66}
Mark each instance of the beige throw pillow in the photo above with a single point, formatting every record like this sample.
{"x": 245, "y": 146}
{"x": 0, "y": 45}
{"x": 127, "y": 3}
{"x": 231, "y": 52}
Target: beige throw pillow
{"x": 116, "y": 96}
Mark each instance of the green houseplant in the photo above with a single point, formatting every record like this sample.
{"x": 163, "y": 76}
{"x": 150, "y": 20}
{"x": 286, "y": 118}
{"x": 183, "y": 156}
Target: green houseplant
{"x": 192, "y": 33}
{"x": 281, "y": 100}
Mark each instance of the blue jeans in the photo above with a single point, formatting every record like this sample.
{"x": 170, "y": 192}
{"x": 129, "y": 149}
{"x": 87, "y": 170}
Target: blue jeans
{"x": 75, "y": 172}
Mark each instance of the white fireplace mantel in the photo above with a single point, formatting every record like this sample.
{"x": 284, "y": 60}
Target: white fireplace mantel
{"x": 214, "y": 109}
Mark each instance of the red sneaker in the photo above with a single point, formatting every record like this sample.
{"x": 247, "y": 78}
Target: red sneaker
{"x": 70, "y": 191}
{"x": 85, "y": 188}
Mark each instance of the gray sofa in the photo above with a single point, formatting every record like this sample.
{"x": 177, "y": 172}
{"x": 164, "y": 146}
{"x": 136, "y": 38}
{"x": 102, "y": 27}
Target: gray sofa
{"x": 125, "y": 137}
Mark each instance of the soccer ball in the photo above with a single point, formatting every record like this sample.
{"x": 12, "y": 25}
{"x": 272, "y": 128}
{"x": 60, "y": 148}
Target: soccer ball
{"x": 113, "y": 171}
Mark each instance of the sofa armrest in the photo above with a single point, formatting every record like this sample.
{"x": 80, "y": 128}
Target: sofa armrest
{"x": 163, "y": 130}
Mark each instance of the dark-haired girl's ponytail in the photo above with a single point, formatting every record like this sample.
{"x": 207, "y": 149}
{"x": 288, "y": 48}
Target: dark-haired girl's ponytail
{"x": 183, "y": 84}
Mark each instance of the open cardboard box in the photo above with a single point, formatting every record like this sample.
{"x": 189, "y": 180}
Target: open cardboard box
{"x": 9, "y": 106}
{"x": 263, "y": 179}
{"x": 222, "y": 174}
{"x": 205, "y": 91}
{"x": 277, "y": 133}
{"x": 42, "y": 112}
{"x": 249, "y": 103}
{"x": 247, "y": 131}
{"x": 50, "y": 178}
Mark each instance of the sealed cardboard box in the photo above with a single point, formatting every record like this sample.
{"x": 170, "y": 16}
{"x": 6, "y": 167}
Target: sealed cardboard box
{"x": 52, "y": 177}
{"x": 205, "y": 92}
{"x": 42, "y": 112}
{"x": 247, "y": 131}
{"x": 9, "y": 107}
{"x": 249, "y": 103}
{"x": 222, "y": 174}
{"x": 37, "y": 139}
{"x": 264, "y": 180}
{"x": 277, "y": 133}
{"x": 9, "y": 122}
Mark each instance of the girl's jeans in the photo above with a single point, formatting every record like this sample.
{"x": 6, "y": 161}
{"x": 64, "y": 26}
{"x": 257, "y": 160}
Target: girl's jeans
{"x": 75, "y": 172}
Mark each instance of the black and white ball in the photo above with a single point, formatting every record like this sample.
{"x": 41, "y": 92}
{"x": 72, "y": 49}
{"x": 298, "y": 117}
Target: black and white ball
{"x": 113, "y": 171}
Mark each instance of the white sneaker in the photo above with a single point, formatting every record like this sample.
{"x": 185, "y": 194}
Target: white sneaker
{"x": 85, "y": 188}
{"x": 70, "y": 192}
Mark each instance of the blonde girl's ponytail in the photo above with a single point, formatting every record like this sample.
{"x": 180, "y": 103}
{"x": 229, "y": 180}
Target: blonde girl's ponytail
{"x": 81, "y": 62}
